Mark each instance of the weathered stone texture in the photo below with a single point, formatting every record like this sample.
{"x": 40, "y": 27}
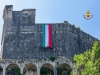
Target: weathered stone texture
{"x": 27, "y": 43}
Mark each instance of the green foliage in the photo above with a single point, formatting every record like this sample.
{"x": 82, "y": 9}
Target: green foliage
{"x": 57, "y": 63}
{"x": 16, "y": 71}
{"x": 44, "y": 71}
{"x": 88, "y": 63}
{"x": 61, "y": 71}
{"x": 52, "y": 59}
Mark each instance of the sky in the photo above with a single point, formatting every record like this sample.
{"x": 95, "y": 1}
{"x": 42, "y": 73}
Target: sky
{"x": 58, "y": 11}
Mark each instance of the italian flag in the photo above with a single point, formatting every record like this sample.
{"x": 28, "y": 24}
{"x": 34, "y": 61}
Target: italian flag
{"x": 47, "y": 35}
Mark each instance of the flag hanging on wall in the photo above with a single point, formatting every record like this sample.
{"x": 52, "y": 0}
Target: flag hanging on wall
{"x": 47, "y": 36}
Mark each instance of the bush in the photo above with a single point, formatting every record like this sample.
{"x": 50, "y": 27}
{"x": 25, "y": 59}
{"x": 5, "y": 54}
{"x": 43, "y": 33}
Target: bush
{"x": 16, "y": 71}
{"x": 52, "y": 59}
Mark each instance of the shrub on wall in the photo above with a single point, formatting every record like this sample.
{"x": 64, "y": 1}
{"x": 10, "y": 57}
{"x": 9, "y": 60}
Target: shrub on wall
{"x": 52, "y": 59}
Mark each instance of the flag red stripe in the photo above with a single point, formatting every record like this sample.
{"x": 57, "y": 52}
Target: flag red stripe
{"x": 50, "y": 35}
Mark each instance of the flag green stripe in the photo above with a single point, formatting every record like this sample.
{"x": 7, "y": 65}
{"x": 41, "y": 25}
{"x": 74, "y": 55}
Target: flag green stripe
{"x": 43, "y": 35}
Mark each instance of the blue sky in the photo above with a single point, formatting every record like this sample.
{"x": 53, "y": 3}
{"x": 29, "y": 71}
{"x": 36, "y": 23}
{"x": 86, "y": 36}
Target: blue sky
{"x": 57, "y": 11}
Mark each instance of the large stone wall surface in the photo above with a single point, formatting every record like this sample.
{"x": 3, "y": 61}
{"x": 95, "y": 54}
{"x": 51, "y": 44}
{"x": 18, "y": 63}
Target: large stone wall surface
{"x": 23, "y": 39}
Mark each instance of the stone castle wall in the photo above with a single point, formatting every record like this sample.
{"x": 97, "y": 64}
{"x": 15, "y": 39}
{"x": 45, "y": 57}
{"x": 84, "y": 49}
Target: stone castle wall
{"x": 22, "y": 38}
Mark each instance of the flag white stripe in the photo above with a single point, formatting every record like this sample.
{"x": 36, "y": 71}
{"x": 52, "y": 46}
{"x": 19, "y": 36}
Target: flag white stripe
{"x": 46, "y": 35}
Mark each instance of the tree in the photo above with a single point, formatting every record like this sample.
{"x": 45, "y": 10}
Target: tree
{"x": 88, "y": 63}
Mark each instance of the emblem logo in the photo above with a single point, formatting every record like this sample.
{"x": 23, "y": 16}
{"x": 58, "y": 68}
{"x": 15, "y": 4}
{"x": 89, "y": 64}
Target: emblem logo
{"x": 88, "y": 15}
